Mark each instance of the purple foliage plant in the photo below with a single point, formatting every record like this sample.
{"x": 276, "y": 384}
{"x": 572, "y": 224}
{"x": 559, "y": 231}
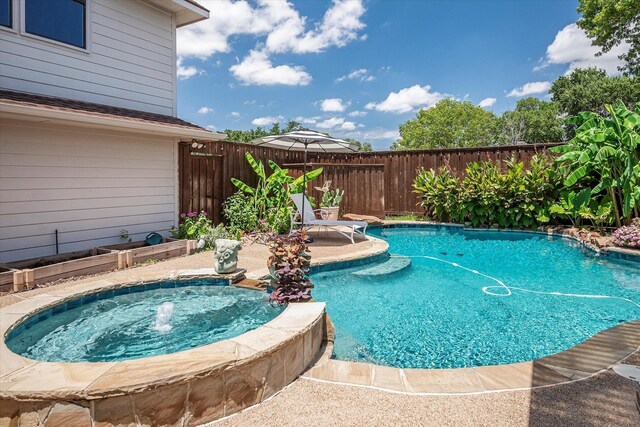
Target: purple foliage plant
{"x": 289, "y": 268}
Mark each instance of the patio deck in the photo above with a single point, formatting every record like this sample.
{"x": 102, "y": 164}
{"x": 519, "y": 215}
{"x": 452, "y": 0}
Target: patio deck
{"x": 601, "y": 400}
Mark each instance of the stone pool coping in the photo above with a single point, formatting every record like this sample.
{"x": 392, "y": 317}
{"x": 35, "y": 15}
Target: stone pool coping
{"x": 279, "y": 350}
{"x": 591, "y": 357}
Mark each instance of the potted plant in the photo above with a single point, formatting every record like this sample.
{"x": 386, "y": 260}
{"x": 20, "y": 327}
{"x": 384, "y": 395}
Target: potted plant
{"x": 331, "y": 201}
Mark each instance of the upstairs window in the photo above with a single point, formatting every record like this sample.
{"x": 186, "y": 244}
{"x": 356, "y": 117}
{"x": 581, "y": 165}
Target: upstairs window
{"x": 6, "y": 13}
{"x": 60, "y": 20}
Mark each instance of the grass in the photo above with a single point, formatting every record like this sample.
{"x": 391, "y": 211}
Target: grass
{"x": 407, "y": 217}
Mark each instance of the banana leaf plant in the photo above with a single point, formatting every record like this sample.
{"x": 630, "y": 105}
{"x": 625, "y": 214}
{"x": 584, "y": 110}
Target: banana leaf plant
{"x": 270, "y": 196}
{"x": 572, "y": 205}
{"x": 605, "y": 156}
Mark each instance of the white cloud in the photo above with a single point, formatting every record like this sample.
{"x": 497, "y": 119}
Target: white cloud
{"x": 487, "y": 102}
{"x": 407, "y": 99}
{"x": 257, "y": 69}
{"x": 307, "y": 120}
{"x": 531, "y": 88}
{"x": 235, "y": 114}
{"x": 339, "y": 26}
{"x": 348, "y": 126}
{"x": 357, "y": 113}
{"x": 572, "y": 46}
{"x": 250, "y": 102}
{"x": 282, "y": 26}
{"x": 375, "y": 134}
{"x": 337, "y": 123}
{"x": 333, "y": 105}
{"x": 205, "y": 110}
{"x": 211, "y": 127}
{"x": 265, "y": 121}
{"x": 184, "y": 72}
{"x": 361, "y": 74}
{"x": 330, "y": 123}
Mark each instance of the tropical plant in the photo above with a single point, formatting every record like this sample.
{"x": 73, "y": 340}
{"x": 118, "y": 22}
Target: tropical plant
{"x": 438, "y": 192}
{"x": 605, "y": 157}
{"x": 628, "y": 236}
{"x": 515, "y": 198}
{"x": 270, "y": 198}
{"x": 289, "y": 265}
{"x": 573, "y": 206}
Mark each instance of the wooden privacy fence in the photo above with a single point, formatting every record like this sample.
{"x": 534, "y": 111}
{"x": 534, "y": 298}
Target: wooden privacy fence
{"x": 401, "y": 167}
{"x": 375, "y": 183}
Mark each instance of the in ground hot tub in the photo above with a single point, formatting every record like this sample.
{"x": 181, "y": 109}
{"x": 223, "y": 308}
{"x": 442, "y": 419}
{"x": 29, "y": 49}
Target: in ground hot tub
{"x": 141, "y": 321}
{"x": 162, "y": 353}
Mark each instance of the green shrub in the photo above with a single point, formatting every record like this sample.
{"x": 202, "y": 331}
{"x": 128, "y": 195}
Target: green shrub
{"x": 192, "y": 225}
{"x": 514, "y": 198}
{"x": 240, "y": 213}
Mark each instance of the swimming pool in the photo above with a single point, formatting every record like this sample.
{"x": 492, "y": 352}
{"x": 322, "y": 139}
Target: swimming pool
{"x": 140, "y": 321}
{"x": 474, "y": 298}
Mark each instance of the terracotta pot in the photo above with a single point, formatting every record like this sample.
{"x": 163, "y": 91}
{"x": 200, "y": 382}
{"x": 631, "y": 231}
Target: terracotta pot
{"x": 333, "y": 213}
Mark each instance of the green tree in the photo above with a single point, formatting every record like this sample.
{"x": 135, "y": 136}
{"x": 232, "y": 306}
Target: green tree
{"x": 612, "y": 22}
{"x": 533, "y": 121}
{"x": 449, "y": 124}
{"x": 362, "y": 146}
{"x": 247, "y": 136}
{"x": 590, "y": 89}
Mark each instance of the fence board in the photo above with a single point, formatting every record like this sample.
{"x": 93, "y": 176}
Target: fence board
{"x": 375, "y": 183}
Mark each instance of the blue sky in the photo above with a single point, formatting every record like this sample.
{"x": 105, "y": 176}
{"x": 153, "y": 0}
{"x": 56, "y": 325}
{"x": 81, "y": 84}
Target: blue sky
{"x": 360, "y": 68}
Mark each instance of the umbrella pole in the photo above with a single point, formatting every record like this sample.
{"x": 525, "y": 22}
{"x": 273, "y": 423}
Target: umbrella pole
{"x": 304, "y": 186}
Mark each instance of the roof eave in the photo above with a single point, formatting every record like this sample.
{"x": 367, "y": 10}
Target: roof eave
{"x": 189, "y": 13}
{"x": 26, "y": 111}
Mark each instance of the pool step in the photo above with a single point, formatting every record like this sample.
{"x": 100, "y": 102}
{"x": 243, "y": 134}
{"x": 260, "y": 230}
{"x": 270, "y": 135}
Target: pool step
{"x": 392, "y": 265}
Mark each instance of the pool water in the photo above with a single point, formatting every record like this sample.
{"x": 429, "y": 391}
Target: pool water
{"x": 472, "y": 298}
{"x": 164, "y": 318}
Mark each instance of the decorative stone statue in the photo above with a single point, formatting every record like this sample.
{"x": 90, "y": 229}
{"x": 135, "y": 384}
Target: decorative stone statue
{"x": 226, "y": 255}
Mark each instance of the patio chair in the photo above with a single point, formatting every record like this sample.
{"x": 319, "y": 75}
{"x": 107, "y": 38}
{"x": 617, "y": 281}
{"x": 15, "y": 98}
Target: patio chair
{"x": 310, "y": 220}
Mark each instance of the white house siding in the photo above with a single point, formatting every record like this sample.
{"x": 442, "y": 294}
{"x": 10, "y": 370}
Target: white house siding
{"x": 88, "y": 184}
{"x": 129, "y": 62}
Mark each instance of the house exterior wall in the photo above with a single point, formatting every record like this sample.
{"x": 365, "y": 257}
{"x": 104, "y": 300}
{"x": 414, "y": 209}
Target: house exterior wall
{"x": 87, "y": 183}
{"x": 130, "y": 60}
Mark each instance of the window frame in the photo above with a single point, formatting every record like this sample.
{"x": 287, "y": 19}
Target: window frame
{"x": 87, "y": 30}
{"x": 15, "y": 18}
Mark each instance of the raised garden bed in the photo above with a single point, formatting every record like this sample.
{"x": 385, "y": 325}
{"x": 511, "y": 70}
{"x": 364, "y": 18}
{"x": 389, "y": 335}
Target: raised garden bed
{"x": 6, "y": 278}
{"x": 139, "y": 252}
{"x": 46, "y": 269}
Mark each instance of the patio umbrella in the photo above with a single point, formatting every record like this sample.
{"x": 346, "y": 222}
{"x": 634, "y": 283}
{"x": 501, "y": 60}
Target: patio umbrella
{"x": 306, "y": 140}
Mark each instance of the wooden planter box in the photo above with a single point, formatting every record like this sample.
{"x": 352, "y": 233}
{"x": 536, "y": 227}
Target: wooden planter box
{"x": 139, "y": 252}
{"x": 6, "y": 278}
{"x": 46, "y": 269}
